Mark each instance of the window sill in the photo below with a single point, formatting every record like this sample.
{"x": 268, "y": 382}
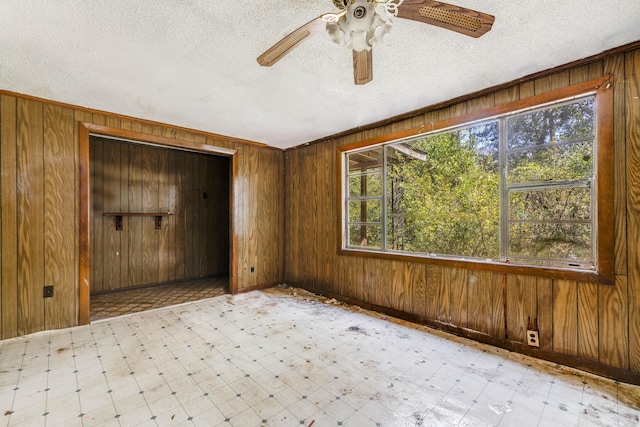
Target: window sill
{"x": 587, "y": 276}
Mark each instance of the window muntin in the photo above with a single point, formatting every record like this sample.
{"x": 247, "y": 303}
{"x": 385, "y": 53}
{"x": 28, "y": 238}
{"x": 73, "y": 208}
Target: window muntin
{"x": 518, "y": 188}
{"x": 364, "y": 198}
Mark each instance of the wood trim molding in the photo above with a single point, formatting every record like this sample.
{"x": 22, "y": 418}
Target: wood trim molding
{"x": 233, "y": 235}
{"x": 596, "y": 368}
{"x": 258, "y": 287}
{"x": 85, "y": 130}
{"x": 604, "y": 90}
{"x": 154, "y": 140}
{"x": 85, "y": 232}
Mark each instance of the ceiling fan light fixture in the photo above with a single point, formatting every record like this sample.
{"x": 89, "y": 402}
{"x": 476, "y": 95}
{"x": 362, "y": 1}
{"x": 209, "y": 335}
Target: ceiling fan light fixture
{"x": 362, "y": 23}
{"x": 365, "y": 23}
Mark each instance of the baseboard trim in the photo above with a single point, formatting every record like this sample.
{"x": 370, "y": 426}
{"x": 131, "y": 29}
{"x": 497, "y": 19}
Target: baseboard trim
{"x": 258, "y": 287}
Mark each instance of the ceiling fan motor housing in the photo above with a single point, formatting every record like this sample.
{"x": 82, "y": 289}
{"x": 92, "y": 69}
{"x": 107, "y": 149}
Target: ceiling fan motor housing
{"x": 341, "y": 4}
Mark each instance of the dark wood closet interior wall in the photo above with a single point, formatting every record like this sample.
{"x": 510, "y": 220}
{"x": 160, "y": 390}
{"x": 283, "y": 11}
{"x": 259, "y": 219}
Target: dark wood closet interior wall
{"x": 133, "y": 178}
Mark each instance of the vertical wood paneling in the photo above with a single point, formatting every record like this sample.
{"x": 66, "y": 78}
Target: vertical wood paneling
{"x": 458, "y": 300}
{"x": 30, "y": 204}
{"x": 616, "y": 66}
{"x": 325, "y": 224}
{"x": 565, "y": 317}
{"x": 484, "y": 299}
{"x": 586, "y": 72}
{"x": 507, "y": 95}
{"x": 82, "y": 218}
{"x": 264, "y": 213}
{"x": 166, "y": 235}
{"x": 108, "y": 249}
{"x": 418, "y": 277}
{"x": 96, "y": 152}
{"x": 544, "y": 288}
{"x": 280, "y": 238}
{"x": 496, "y": 326}
{"x": 211, "y": 224}
{"x": 369, "y": 280}
{"x": 521, "y": 305}
{"x": 190, "y": 211}
{"x": 135, "y": 224}
{"x": 614, "y": 324}
{"x": 269, "y": 226}
{"x": 479, "y": 295}
{"x": 8, "y": 218}
{"x": 552, "y": 82}
{"x": 400, "y": 293}
{"x": 632, "y": 163}
{"x": 252, "y": 163}
{"x": 309, "y": 210}
{"x": 241, "y": 186}
{"x": 294, "y": 219}
{"x": 125, "y": 243}
{"x": 198, "y": 208}
{"x": 204, "y": 222}
{"x": 431, "y": 292}
{"x": 289, "y": 215}
{"x": 438, "y": 293}
{"x": 588, "y": 321}
{"x": 180, "y": 214}
{"x": 149, "y": 204}
{"x": 60, "y": 311}
{"x": 527, "y": 89}
{"x": 480, "y": 103}
{"x": 152, "y": 182}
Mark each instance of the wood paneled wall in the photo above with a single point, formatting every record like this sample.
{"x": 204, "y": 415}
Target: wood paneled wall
{"x": 194, "y": 242}
{"x": 40, "y": 217}
{"x": 587, "y": 324}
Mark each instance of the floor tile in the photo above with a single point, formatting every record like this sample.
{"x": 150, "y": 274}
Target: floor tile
{"x": 271, "y": 359}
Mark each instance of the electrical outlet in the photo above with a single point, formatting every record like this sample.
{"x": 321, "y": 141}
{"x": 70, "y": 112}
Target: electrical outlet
{"x": 533, "y": 338}
{"x": 253, "y": 269}
{"x": 47, "y": 292}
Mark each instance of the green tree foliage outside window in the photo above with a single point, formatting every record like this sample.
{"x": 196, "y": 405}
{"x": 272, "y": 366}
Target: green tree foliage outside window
{"x": 516, "y": 188}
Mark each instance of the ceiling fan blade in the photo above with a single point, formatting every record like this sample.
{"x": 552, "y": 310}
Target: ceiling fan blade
{"x": 362, "y": 66}
{"x": 451, "y": 17}
{"x": 293, "y": 39}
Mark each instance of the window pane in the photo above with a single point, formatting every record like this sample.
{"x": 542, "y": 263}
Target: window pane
{"x": 366, "y": 160}
{"x": 552, "y": 124}
{"x": 546, "y": 163}
{"x": 365, "y": 235}
{"x": 443, "y": 193}
{"x": 365, "y": 211}
{"x": 551, "y": 242}
{"x": 367, "y": 185}
{"x": 551, "y": 204}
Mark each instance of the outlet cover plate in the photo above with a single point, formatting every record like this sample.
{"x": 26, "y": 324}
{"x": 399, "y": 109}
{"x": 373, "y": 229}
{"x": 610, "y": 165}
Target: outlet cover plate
{"x": 47, "y": 292}
{"x": 533, "y": 338}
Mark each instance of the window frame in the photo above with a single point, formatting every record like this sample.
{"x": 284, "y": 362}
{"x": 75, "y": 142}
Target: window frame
{"x": 602, "y": 89}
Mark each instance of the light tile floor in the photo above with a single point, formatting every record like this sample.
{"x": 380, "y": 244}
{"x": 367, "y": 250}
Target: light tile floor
{"x": 274, "y": 359}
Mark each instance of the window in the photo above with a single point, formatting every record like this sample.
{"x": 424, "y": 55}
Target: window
{"x": 517, "y": 185}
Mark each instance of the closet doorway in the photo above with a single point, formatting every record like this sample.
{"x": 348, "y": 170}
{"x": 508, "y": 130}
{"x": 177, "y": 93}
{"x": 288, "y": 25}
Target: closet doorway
{"x": 158, "y": 226}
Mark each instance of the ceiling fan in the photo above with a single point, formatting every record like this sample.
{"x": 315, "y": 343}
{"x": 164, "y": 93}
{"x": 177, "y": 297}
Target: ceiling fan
{"x": 362, "y": 23}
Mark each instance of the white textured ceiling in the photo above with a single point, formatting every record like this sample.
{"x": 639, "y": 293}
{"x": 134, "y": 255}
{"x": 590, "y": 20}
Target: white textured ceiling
{"x": 191, "y": 63}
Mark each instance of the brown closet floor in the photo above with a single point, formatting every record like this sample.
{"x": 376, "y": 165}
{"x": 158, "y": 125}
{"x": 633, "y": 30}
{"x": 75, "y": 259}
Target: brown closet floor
{"x": 119, "y": 303}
